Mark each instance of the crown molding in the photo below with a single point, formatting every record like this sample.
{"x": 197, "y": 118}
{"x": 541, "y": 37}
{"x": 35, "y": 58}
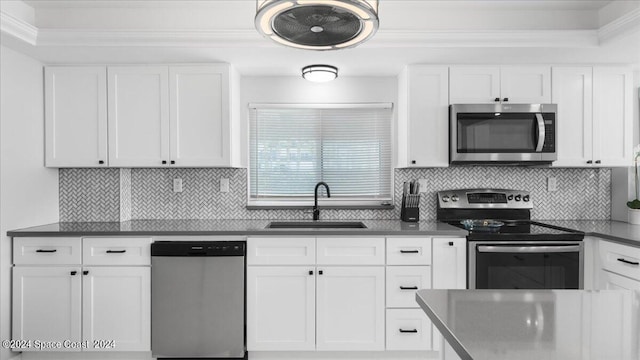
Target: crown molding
{"x": 627, "y": 23}
{"x": 18, "y": 28}
{"x": 383, "y": 39}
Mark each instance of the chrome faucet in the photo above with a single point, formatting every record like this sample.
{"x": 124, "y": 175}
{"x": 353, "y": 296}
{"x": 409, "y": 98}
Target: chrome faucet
{"x": 316, "y": 211}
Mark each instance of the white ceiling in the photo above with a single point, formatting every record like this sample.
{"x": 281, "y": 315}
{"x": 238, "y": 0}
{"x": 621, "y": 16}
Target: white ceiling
{"x": 411, "y": 31}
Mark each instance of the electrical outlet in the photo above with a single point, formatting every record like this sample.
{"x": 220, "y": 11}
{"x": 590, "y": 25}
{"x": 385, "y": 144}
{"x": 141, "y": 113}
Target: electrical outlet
{"x": 552, "y": 184}
{"x": 224, "y": 185}
{"x": 177, "y": 185}
{"x": 424, "y": 184}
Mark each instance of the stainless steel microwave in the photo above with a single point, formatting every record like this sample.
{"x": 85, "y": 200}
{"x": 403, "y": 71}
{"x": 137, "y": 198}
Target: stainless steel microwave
{"x": 502, "y": 133}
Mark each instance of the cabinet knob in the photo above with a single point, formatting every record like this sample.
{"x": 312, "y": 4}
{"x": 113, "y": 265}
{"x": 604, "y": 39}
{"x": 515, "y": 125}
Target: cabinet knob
{"x": 86, "y": 272}
{"x": 413, "y": 161}
{"x": 100, "y": 162}
{"x": 310, "y": 272}
{"x": 589, "y": 162}
{"x": 173, "y": 161}
{"x": 73, "y": 273}
{"x": 505, "y": 99}
{"x": 164, "y": 162}
{"x": 320, "y": 272}
{"x": 598, "y": 161}
{"x": 450, "y": 243}
{"x": 496, "y": 99}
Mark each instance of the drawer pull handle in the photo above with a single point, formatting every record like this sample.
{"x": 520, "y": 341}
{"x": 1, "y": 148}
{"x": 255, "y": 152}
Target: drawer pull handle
{"x": 73, "y": 273}
{"x": 408, "y": 288}
{"x": 409, "y": 251}
{"x": 629, "y": 262}
{"x": 412, "y": 331}
{"x": 46, "y": 251}
{"x": 116, "y": 251}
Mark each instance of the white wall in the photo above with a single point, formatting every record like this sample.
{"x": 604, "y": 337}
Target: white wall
{"x": 28, "y": 191}
{"x": 288, "y": 89}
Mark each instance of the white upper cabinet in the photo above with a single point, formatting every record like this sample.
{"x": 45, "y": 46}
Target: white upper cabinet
{"x": 613, "y": 116}
{"x": 594, "y": 116}
{"x": 474, "y": 84}
{"x": 76, "y": 116}
{"x": 493, "y": 84}
{"x": 152, "y": 116}
{"x": 201, "y": 125}
{"x": 138, "y": 116}
{"x": 423, "y": 116}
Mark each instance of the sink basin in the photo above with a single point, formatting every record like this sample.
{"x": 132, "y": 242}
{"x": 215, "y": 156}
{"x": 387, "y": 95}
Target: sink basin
{"x": 316, "y": 225}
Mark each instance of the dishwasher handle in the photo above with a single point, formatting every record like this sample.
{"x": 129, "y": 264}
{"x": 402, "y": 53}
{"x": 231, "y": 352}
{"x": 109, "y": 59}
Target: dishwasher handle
{"x": 198, "y": 248}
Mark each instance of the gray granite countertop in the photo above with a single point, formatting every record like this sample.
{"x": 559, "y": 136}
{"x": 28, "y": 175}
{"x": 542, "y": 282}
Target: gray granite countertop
{"x": 536, "y": 324}
{"x": 612, "y": 230}
{"x": 229, "y": 227}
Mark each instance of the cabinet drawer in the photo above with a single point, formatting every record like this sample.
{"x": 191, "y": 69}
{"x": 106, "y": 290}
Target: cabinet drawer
{"x": 408, "y": 329}
{"x": 47, "y": 251}
{"x": 403, "y": 282}
{"x": 350, "y": 251}
{"x": 408, "y": 251}
{"x": 116, "y": 251}
{"x": 281, "y": 251}
{"x": 620, "y": 259}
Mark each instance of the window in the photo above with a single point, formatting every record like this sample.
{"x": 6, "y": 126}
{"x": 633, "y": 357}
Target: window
{"x": 293, "y": 147}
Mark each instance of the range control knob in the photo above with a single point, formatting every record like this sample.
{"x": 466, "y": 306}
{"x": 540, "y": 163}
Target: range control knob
{"x": 454, "y": 198}
{"x": 445, "y": 198}
{"x": 525, "y": 198}
{"x": 518, "y": 197}
{"x": 510, "y": 197}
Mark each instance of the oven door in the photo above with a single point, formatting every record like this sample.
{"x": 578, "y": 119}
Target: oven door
{"x": 526, "y": 265}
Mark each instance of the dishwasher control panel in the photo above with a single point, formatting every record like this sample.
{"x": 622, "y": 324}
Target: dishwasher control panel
{"x": 198, "y": 248}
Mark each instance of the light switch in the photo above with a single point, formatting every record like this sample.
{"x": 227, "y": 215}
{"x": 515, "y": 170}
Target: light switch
{"x": 177, "y": 185}
{"x": 552, "y": 184}
{"x": 224, "y": 185}
{"x": 424, "y": 184}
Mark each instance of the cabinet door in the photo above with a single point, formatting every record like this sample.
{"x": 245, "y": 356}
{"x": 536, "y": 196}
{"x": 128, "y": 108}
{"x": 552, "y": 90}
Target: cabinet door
{"x": 474, "y": 84}
{"x": 612, "y": 116}
{"x": 525, "y": 84}
{"x": 46, "y": 304}
{"x": 573, "y": 92}
{"x": 75, "y": 116}
{"x": 611, "y": 281}
{"x": 138, "y": 116}
{"x": 200, "y": 122}
{"x": 350, "y": 308}
{"x": 117, "y": 306}
{"x": 427, "y": 117}
{"x": 281, "y": 308}
{"x": 449, "y": 263}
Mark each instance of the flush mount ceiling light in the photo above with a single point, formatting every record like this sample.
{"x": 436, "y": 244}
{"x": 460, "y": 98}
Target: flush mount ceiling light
{"x": 319, "y": 73}
{"x": 317, "y": 24}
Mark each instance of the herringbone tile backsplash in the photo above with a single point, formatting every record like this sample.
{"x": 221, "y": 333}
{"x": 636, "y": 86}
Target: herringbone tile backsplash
{"x": 124, "y": 194}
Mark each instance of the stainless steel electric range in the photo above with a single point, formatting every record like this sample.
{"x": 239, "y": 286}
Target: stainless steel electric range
{"x": 506, "y": 249}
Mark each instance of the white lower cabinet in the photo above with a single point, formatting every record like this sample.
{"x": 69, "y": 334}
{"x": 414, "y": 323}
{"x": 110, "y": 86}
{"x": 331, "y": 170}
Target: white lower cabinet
{"x": 408, "y": 329}
{"x": 47, "y": 304}
{"x": 612, "y": 281}
{"x": 116, "y": 308}
{"x": 350, "y": 308}
{"x": 281, "y": 305}
{"x": 84, "y": 307}
{"x": 449, "y": 263}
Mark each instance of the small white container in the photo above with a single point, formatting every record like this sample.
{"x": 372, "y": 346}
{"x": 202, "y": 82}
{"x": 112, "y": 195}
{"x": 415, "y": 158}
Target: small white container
{"x": 633, "y": 216}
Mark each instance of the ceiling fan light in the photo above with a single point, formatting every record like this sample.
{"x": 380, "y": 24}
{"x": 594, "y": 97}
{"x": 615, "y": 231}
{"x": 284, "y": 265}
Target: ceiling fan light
{"x": 319, "y": 73}
{"x": 317, "y": 24}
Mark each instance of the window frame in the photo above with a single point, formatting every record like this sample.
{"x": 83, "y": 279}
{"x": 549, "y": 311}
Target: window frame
{"x": 295, "y": 202}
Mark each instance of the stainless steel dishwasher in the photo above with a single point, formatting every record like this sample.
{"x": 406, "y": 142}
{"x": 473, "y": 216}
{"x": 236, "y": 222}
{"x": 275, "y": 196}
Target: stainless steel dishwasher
{"x": 198, "y": 299}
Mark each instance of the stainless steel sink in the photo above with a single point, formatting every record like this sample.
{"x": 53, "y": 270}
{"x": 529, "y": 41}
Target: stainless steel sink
{"x": 316, "y": 225}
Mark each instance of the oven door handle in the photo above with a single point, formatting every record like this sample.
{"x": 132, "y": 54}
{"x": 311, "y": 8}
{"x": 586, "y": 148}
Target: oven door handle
{"x": 527, "y": 249}
{"x": 542, "y": 132}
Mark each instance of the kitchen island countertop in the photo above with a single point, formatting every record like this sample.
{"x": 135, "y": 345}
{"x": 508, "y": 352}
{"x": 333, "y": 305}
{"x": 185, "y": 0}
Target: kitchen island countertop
{"x": 536, "y": 324}
{"x": 230, "y": 228}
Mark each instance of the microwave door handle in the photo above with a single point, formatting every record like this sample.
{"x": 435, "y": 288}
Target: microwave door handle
{"x": 541, "y": 132}
{"x": 527, "y": 249}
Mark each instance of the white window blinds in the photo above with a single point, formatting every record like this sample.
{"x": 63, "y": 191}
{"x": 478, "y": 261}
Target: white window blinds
{"x": 294, "y": 147}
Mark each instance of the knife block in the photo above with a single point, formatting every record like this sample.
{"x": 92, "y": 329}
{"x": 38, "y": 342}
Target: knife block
{"x": 410, "y": 213}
